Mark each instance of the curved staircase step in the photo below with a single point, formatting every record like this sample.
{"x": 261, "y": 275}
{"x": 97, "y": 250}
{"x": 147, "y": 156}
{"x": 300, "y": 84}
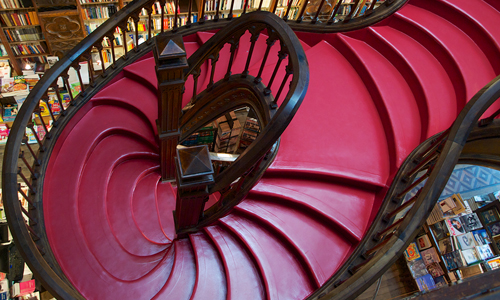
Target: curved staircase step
{"x": 283, "y": 276}
{"x": 346, "y": 121}
{"x": 243, "y": 278}
{"x": 210, "y": 275}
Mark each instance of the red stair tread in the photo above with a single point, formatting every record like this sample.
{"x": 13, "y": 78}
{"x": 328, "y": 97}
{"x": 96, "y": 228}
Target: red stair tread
{"x": 347, "y": 206}
{"x": 165, "y": 203}
{"x": 323, "y": 249}
{"x": 243, "y": 278}
{"x": 210, "y": 277}
{"x": 283, "y": 276}
{"x": 347, "y": 122}
{"x": 180, "y": 284}
{"x": 397, "y": 97}
{"x": 145, "y": 212}
{"x": 472, "y": 62}
{"x": 439, "y": 93}
{"x": 119, "y": 196}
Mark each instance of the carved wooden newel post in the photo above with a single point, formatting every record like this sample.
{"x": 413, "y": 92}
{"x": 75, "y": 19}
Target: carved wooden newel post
{"x": 194, "y": 175}
{"x": 170, "y": 58}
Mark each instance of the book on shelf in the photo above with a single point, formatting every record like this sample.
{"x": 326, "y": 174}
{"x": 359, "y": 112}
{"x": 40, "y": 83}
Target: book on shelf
{"x": 466, "y": 241}
{"x": 435, "y": 270}
{"x": 12, "y": 19}
{"x": 471, "y": 222}
{"x": 493, "y": 263}
{"x": 484, "y": 252}
{"x": 455, "y": 226}
{"x": 417, "y": 268}
{"x": 446, "y": 245}
{"x": 447, "y": 204}
{"x": 425, "y": 283}
{"x": 453, "y": 260}
{"x": 470, "y": 271}
{"x": 430, "y": 256}
{"x": 23, "y": 288}
{"x": 470, "y": 256}
{"x": 423, "y": 242}
{"x": 435, "y": 216}
{"x": 481, "y": 237}
{"x": 490, "y": 215}
{"x": 440, "y": 281}
{"x": 411, "y": 252}
{"x": 440, "y": 230}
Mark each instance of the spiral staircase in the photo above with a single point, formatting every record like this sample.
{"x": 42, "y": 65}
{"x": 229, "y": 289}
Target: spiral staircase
{"x": 315, "y": 208}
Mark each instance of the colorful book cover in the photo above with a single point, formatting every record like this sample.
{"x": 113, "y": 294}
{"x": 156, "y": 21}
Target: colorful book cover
{"x": 65, "y": 99}
{"x": 453, "y": 260}
{"x": 470, "y": 256}
{"x": 484, "y": 252}
{"x": 435, "y": 270}
{"x": 481, "y": 237}
{"x": 417, "y": 268}
{"x": 75, "y": 89}
{"x": 430, "y": 256}
{"x": 455, "y": 226}
{"x": 4, "y": 289}
{"x": 7, "y": 85}
{"x": 423, "y": 242}
{"x": 411, "y": 252}
{"x": 494, "y": 263}
{"x": 466, "y": 241}
{"x": 425, "y": 283}
{"x": 471, "y": 222}
{"x": 4, "y": 133}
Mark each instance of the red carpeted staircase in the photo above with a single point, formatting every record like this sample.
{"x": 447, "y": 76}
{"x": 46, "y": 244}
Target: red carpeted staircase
{"x": 373, "y": 96}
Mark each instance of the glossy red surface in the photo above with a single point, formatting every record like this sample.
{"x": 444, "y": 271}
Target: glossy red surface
{"x": 373, "y": 96}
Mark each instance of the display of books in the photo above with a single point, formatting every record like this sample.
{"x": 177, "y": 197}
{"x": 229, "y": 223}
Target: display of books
{"x": 470, "y": 256}
{"x": 455, "y": 226}
{"x": 447, "y": 204}
{"x": 481, "y": 237}
{"x": 435, "y": 270}
{"x": 426, "y": 283}
{"x": 466, "y": 241}
{"x": 471, "y": 222}
{"x": 446, "y": 246}
{"x": 484, "y": 252}
{"x": 490, "y": 215}
{"x": 417, "y": 268}
{"x": 423, "y": 242}
{"x": 440, "y": 281}
{"x": 412, "y": 253}
{"x": 440, "y": 230}
{"x": 453, "y": 260}
{"x": 494, "y": 229}
{"x": 430, "y": 256}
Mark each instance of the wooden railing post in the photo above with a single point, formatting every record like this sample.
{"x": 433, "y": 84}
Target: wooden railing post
{"x": 170, "y": 58}
{"x": 194, "y": 174}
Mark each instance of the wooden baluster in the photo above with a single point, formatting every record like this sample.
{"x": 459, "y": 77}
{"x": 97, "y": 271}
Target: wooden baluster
{"x": 394, "y": 225}
{"x": 289, "y": 6}
{"x": 196, "y": 75}
{"x": 190, "y": 8}
{"x": 379, "y": 245}
{"x": 371, "y": 8}
{"x": 176, "y": 14}
{"x": 415, "y": 183}
{"x": 315, "y": 19}
{"x": 270, "y": 43}
{"x": 421, "y": 165}
{"x": 162, "y": 6}
{"x": 217, "y": 9}
{"x": 281, "y": 56}
{"x": 99, "y": 48}
{"x": 36, "y": 237}
{"x": 30, "y": 187}
{"x": 26, "y": 213}
{"x": 245, "y": 7}
{"x": 353, "y": 9}
{"x": 136, "y": 19}
{"x": 230, "y": 16}
{"x": 32, "y": 127}
{"x": 273, "y": 8}
{"x": 260, "y": 5}
{"x": 45, "y": 98}
{"x": 234, "y": 45}
{"x": 253, "y": 39}
{"x": 289, "y": 71}
{"x": 150, "y": 24}
{"x": 33, "y": 174}
{"x": 123, "y": 29}
{"x": 20, "y": 190}
{"x": 35, "y": 158}
{"x": 61, "y": 105}
{"x": 111, "y": 39}
{"x": 213, "y": 58}
{"x": 335, "y": 11}
{"x": 202, "y": 17}
{"x": 402, "y": 207}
